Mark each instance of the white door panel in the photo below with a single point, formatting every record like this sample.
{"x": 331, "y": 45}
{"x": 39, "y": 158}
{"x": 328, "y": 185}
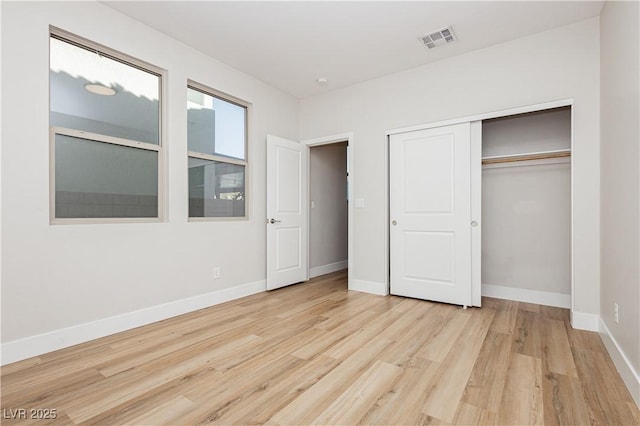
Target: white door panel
{"x": 287, "y": 187}
{"x": 288, "y": 253}
{"x": 430, "y": 210}
{"x": 428, "y": 162}
{"x": 435, "y": 246}
{"x": 287, "y": 164}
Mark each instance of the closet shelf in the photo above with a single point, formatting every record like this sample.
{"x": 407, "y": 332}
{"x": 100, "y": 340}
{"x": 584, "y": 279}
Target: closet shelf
{"x": 526, "y": 156}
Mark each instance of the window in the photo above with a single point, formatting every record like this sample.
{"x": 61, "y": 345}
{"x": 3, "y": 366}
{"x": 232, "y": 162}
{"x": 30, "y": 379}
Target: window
{"x": 217, "y": 140}
{"x": 105, "y": 134}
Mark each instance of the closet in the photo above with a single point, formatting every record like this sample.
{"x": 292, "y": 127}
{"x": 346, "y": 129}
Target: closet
{"x": 482, "y": 208}
{"x": 526, "y": 207}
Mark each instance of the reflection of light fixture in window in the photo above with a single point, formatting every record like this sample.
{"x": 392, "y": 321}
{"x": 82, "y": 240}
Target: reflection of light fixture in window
{"x": 99, "y": 89}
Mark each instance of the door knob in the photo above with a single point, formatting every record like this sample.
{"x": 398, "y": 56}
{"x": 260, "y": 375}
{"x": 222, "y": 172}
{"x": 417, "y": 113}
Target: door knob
{"x": 272, "y": 220}
{"x": 394, "y": 223}
{"x": 474, "y": 223}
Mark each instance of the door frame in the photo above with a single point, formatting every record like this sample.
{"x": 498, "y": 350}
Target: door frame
{"x": 480, "y": 117}
{"x": 328, "y": 140}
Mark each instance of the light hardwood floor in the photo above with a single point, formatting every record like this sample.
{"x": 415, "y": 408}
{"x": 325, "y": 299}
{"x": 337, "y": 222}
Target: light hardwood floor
{"x": 316, "y": 353}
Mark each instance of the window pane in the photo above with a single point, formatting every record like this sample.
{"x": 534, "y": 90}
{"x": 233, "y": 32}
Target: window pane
{"x": 216, "y": 127}
{"x": 102, "y": 180}
{"x": 215, "y": 189}
{"x": 128, "y": 107}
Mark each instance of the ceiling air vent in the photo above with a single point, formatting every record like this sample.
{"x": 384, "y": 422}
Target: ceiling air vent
{"x": 438, "y": 38}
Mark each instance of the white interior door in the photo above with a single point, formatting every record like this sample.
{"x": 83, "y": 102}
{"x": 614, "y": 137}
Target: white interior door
{"x": 287, "y": 171}
{"x": 430, "y": 212}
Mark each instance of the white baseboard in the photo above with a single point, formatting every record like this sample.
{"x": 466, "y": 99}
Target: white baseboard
{"x": 525, "y": 295}
{"x": 327, "y": 269}
{"x": 629, "y": 376}
{"x": 372, "y": 287}
{"x": 584, "y": 321}
{"x": 28, "y": 347}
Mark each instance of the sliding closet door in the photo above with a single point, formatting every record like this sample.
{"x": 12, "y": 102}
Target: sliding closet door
{"x": 430, "y": 213}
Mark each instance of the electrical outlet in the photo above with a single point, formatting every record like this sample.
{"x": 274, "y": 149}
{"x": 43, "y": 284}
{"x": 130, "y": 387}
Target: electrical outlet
{"x": 615, "y": 312}
{"x": 216, "y": 272}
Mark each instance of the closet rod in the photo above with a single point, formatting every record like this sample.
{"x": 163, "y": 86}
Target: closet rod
{"x": 526, "y": 157}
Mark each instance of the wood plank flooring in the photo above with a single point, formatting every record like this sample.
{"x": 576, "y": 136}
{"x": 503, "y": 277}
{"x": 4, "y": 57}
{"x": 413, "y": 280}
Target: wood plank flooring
{"x": 316, "y": 353}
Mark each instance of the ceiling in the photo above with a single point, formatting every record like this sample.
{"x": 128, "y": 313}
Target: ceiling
{"x": 290, "y": 44}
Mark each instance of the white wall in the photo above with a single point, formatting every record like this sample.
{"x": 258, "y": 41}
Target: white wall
{"x": 328, "y": 218}
{"x": 526, "y": 209}
{"x": 557, "y": 64}
{"x": 526, "y": 227}
{"x": 547, "y": 130}
{"x": 64, "y": 275}
{"x": 620, "y": 156}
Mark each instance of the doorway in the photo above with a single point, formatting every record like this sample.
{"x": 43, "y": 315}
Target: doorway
{"x": 328, "y": 208}
{"x": 345, "y": 140}
{"x": 288, "y": 202}
{"x": 526, "y": 207}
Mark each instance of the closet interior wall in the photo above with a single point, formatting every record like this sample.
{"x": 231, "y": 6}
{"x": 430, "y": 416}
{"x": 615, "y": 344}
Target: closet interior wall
{"x": 526, "y": 204}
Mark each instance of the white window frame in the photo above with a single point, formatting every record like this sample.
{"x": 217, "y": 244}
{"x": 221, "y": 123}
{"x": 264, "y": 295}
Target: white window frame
{"x": 221, "y": 158}
{"x": 99, "y": 138}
